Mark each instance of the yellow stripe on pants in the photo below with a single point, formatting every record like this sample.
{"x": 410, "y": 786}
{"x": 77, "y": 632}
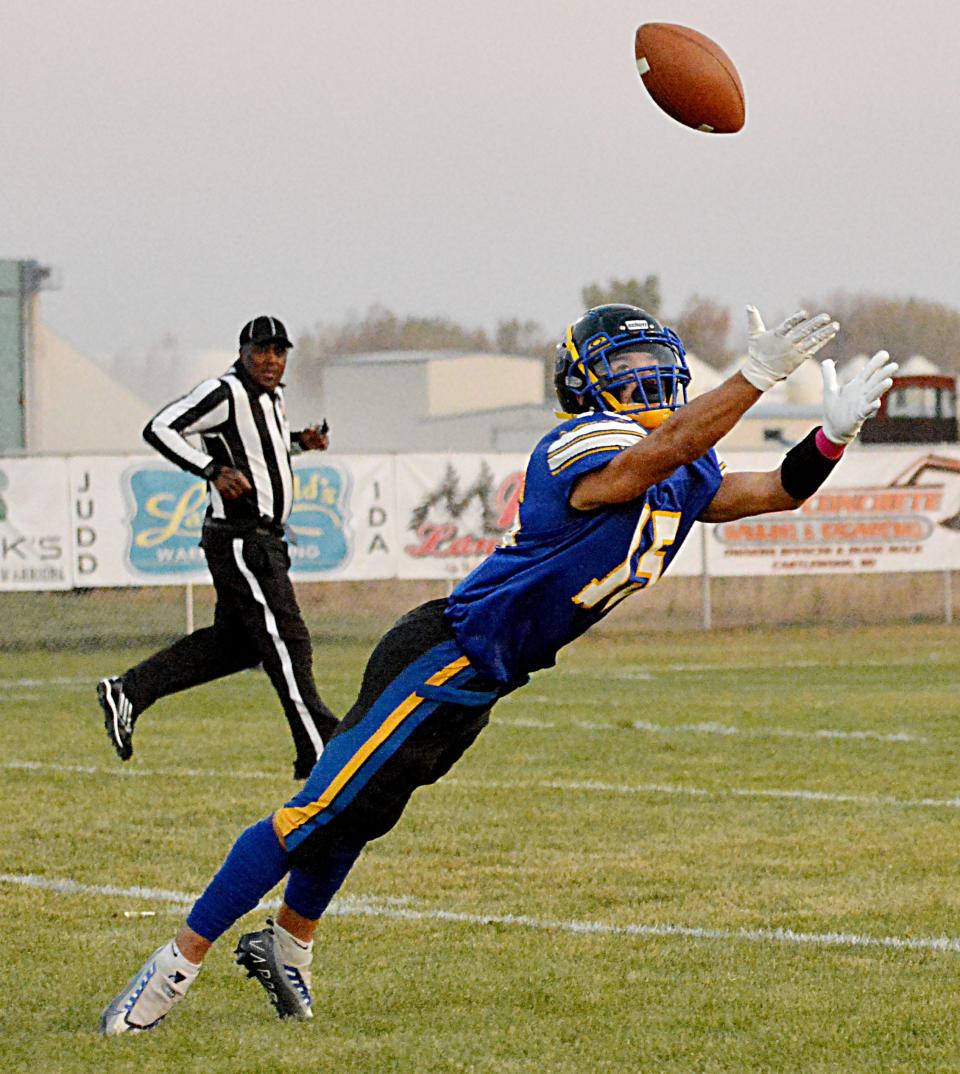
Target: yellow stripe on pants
{"x": 289, "y": 818}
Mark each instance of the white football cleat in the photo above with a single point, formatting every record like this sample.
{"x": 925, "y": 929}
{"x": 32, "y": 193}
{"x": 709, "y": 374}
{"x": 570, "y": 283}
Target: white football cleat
{"x": 149, "y": 995}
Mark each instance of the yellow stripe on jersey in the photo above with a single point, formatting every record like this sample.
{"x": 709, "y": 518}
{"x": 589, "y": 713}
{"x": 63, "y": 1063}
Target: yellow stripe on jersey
{"x": 582, "y": 455}
{"x": 569, "y": 449}
{"x": 610, "y": 425}
{"x": 289, "y": 818}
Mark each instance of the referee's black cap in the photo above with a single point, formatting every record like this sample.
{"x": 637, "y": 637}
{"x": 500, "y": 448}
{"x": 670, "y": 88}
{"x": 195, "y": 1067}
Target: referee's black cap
{"x": 264, "y": 329}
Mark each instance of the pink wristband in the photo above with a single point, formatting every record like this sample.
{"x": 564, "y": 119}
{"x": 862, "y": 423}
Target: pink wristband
{"x": 827, "y": 448}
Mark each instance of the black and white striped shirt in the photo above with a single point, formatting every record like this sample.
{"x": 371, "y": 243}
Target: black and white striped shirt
{"x": 240, "y": 425}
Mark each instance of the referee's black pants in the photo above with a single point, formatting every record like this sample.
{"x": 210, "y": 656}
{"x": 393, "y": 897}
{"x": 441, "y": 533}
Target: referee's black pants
{"x": 257, "y": 620}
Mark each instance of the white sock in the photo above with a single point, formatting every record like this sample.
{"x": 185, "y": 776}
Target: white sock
{"x": 294, "y": 952}
{"x": 173, "y": 957}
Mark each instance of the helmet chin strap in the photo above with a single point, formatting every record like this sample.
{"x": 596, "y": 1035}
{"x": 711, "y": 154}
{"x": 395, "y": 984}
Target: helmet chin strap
{"x": 648, "y": 419}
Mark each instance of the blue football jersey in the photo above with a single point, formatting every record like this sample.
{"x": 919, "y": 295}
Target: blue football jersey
{"x": 560, "y": 570}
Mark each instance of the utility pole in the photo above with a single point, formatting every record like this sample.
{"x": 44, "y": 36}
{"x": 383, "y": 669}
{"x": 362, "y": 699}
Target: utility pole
{"x": 20, "y": 283}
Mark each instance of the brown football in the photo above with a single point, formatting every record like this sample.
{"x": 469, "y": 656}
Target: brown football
{"x": 690, "y": 77}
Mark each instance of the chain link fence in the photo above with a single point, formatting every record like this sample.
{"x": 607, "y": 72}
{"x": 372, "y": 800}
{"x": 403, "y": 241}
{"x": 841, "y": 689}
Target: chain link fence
{"x": 95, "y": 618}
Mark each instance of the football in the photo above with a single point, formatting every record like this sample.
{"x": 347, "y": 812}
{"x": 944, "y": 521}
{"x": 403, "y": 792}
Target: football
{"x": 690, "y": 77}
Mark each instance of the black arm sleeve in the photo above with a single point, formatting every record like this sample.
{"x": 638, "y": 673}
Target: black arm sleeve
{"x": 804, "y": 469}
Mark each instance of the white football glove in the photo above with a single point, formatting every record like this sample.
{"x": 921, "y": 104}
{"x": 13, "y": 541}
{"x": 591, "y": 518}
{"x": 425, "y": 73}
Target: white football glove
{"x": 774, "y": 353}
{"x": 846, "y": 407}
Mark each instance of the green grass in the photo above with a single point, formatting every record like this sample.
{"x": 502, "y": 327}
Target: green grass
{"x": 564, "y": 812}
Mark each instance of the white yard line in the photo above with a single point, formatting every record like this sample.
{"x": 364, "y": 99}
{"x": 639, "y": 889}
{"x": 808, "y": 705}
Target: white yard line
{"x": 707, "y": 728}
{"x": 627, "y": 672}
{"x": 702, "y": 792}
{"x": 396, "y": 909}
{"x": 587, "y": 786}
{"x": 57, "y": 680}
{"x": 787, "y": 665}
{"x": 136, "y": 773}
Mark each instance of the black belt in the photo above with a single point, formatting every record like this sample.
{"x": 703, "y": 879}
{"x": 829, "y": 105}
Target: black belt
{"x": 224, "y": 527}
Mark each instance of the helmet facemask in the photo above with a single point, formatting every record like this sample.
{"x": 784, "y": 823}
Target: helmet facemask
{"x": 644, "y": 381}
{"x": 628, "y": 364}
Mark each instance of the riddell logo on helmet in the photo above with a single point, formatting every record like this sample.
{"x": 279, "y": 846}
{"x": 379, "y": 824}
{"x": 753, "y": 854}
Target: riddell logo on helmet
{"x": 635, "y": 326}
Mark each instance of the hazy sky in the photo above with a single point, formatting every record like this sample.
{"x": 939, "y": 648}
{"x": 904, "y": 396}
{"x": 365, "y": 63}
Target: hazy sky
{"x": 186, "y": 165}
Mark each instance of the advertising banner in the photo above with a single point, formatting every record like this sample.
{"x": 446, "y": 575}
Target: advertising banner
{"x": 137, "y": 521}
{"x": 882, "y": 510}
{"x": 128, "y": 520}
{"x": 343, "y": 522}
{"x": 453, "y": 510}
{"x": 35, "y": 547}
{"x": 689, "y": 559}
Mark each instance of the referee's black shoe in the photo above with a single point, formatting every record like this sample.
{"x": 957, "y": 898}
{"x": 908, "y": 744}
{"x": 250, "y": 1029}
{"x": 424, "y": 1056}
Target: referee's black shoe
{"x": 119, "y": 715}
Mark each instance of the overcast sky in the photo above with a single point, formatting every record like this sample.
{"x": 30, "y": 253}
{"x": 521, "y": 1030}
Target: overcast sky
{"x": 186, "y": 164}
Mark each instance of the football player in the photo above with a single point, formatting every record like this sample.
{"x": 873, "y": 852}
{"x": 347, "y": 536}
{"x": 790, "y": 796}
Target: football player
{"x": 610, "y": 495}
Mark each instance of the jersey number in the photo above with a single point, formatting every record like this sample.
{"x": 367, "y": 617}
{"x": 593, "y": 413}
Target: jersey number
{"x": 603, "y": 593}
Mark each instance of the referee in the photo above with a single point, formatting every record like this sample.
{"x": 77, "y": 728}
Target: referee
{"x": 245, "y": 458}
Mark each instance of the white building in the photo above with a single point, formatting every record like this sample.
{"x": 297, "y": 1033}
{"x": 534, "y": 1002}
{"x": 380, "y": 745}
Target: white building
{"x": 391, "y": 401}
{"x": 422, "y": 401}
{"x": 73, "y": 406}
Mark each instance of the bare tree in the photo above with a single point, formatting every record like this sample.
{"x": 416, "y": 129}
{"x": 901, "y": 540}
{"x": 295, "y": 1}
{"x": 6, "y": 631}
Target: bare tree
{"x": 903, "y": 326}
{"x": 704, "y": 326}
{"x": 643, "y": 293}
{"x": 379, "y": 329}
{"x": 520, "y": 337}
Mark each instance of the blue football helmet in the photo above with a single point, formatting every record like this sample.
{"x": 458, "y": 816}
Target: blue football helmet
{"x": 585, "y": 380}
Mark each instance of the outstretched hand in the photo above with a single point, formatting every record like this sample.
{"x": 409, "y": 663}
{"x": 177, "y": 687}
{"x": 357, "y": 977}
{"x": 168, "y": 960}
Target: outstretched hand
{"x": 774, "y": 353}
{"x": 846, "y": 407}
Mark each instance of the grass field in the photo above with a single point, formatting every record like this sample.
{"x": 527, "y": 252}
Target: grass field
{"x": 715, "y": 852}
